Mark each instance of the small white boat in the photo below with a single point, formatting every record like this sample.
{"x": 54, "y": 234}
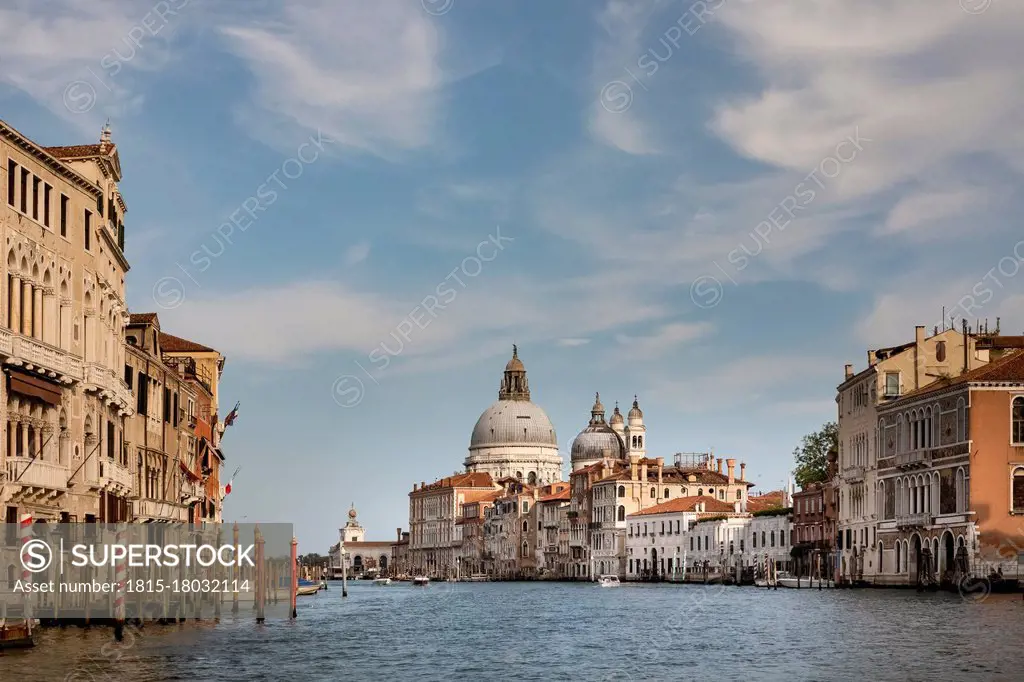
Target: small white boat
{"x": 608, "y": 580}
{"x": 382, "y": 581}
{"x": 306, "y": 590}
{"x": 421, "y": 580}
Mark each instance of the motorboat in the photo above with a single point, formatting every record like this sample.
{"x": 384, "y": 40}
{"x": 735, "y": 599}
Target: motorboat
{"x": 421, "y": 580}
{"x": 608, "y": 580}
{"x": 15, "y": 633}
{"x": 308, "y": 587}
{"x": 382, "y": 581}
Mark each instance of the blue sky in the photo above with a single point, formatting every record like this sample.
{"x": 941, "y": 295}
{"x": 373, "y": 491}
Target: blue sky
{"x": 646, "y": 165}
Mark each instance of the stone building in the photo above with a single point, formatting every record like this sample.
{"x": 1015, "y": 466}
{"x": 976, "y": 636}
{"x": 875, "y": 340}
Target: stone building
{"x": 64, "y": 403}
{"x": 434, "y": 511}
{"x": 890, "y": 374}
{"x": 951, "y": 477}
{"x": 361, "y": 556}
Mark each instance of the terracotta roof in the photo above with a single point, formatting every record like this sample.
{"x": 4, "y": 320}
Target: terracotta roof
{"x": 769, "y": 500}
{"x": 175, "y": 344}
{"x": 1009, "y": 369}
{"x": 142, "y": 318}
{"x": 687, "y": 504}
{"x": 476, "y": 479}
{"x": 565, "y": 494}
{"x": 481, "y": 496}
{"x": 77, "y": 151}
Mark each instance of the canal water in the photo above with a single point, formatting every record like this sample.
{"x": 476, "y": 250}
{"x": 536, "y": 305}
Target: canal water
{"x": 563, "y": 631}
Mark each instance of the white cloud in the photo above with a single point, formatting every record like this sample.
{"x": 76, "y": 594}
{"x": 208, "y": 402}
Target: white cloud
{"x": 665, "y": 338}
{"x": 81, "y": 58}
{"x": 572, "y": 343}
{"x": 921, "y": 211}
{"x": 365, "y": 73}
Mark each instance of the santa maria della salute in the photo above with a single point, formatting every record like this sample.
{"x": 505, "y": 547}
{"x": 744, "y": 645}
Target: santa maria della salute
{"x": 511, "y": 514}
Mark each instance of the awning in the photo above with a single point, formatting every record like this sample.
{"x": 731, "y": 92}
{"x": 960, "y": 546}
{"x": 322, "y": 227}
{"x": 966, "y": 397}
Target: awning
{"x": 188, "y": 472}
{"x": 28, "y": 385}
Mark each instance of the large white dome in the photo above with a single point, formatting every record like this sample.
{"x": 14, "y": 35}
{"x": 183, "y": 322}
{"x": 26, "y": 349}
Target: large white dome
{"x": 513, "y": 422}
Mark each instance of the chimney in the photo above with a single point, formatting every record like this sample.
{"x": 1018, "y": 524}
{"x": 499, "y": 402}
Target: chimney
{"x": 848, "y": 369}
{"x": 743, "y": 471}
{"x": 919, "y": 373}
{"x": 871, "y": 358}
{"x": 414, "y": 487}
{"x": 399, "y": 534}
{"x": 661, "y": 469}
{"x": 632, "y": 469}
{"x": 643, "y": 470}
{"x": 719, "y": 465}
{"x": 731, "y": 463}
{"x": 967, "y": 364}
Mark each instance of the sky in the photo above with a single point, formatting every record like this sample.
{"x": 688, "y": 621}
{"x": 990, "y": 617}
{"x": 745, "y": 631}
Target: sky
{"x": 713, "y": 206}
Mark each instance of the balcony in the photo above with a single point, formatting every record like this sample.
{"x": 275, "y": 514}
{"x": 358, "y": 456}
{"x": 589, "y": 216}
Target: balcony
{"x": 38, "y": 480}
{"x": 913, "y": 520}
{"x": 115, "y": 477}
{"x": 108, "y": 384}
{"x": 157, "y": 510}
{"x": 913, "y": 459}
{"x": 854, "y": 474}
{"x": 32, "y": 354}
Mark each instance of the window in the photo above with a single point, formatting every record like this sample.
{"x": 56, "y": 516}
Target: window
{"x": 174, "y": 412}
{"x": 1018, "y": 420}
{"x": 961, "y": 420}
{"x": 1018, "y": 490}
{"x": 167, "y": 404}
{"x": 691, "y": 543}
{"x": 63, "y": 216}
{"x": 700, "y": 492}
{"x": 88, "y": 230}
{"x": 654, "y": 493}
{"x": 773, "y": 538}
{"x": 526, "y": 526}
{"x": 143, "y": 394}
{"x": 739, "y": 494}
{"x": 677, "y": 526}
{"x": 128, "y": 375}
{"x": 526, "y": 507}
{"x": 622, "y": 513}
{"x": 110, "y": 440}
{"x": 24, "y": 191}
{"x": 12, "y": 176}
{"x": 622, "y": 491}
{"x": 46, "y": 204}
{"x": 35, "y": 197}
{"x": 666, "y": 492}
{"x": 892, "y": 384}
{"x": 755, "y": 540}
{"x": 940, "y": 351}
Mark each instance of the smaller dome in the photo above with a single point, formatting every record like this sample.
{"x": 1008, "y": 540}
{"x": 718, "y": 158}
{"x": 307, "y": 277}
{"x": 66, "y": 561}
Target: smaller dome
{"x": 616, "y": 415}
{"x": 352, "y": 512}
{"x": 635, "y": 413}
{"x": 598, "y": 407}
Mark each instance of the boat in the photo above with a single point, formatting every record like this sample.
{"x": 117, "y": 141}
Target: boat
{"x": 15, "y": 633}
{"x": 382, "y": 581}
{"x": 421, "y": 580}
{"x": 477, "y": 578}
{"x": 308, "y": 587}
{"x": 608, "y": 580}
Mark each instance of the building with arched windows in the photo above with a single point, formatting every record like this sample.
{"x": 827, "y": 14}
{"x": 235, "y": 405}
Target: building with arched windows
{"x": 950, "y": 491}
{"x": 361, "y": 556}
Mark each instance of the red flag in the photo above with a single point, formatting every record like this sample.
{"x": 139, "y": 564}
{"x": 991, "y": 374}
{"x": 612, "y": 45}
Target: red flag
{"x": 227, "y": 488}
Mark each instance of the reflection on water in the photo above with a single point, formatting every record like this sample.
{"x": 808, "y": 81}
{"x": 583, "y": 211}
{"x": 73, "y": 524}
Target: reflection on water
{"x": 561, "y": 631}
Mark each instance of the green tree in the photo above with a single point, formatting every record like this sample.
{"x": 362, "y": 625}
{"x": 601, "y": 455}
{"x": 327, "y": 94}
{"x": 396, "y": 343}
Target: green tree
{"x": 812, "y": 454}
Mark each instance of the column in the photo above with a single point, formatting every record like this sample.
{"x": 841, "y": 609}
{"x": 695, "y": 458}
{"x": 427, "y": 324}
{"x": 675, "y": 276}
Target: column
{"x": 37, "y": 312}
{"x": 24, "y": 438}
{"x": 14, "y": 304}
{"x": 39, "y": 440}
{"x": 26, "y": 308}
{"x": 50, "y": 318}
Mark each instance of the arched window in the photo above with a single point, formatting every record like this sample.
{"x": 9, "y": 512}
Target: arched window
{"x": 1018, "y": 420}
{"x": 739, "y": 494}
{"x": 763, "y": 544}
{"x": 782, "y": 538}
{"x": 526, "y": 526}
{"x": 654, "y": 493}
{"x": 532, "y": 478}
{"x": 519, "y": 475}
{"x": 622, "y": 513}
{"x": 899, "y": 558}
{"x": 1018, "y": 490}
{"x": 639, "y": 441}
{"x": 700, "y": 491}
{"x": 622, "y": 491}
{"x": 773, "y": 538}
{"x": 940, "y": 351}
{"x": 960, "y": 489}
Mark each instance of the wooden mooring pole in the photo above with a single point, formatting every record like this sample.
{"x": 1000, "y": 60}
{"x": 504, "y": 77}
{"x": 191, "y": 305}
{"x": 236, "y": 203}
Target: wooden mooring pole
{"x": 294, "y": 582}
